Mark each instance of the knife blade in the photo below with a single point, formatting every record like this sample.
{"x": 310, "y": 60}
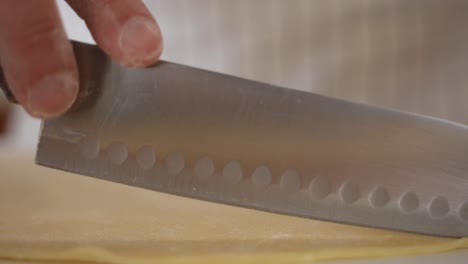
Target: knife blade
{"x": 210, "y": 136}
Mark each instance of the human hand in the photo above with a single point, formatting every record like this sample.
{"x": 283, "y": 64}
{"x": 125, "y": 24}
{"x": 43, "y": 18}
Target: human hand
{"x": 37, "y": 57}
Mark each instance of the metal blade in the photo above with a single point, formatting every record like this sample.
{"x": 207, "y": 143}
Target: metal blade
{"x": 199, "y": 134}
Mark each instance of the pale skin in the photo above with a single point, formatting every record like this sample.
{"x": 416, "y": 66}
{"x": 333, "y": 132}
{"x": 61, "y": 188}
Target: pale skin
{"x": 37, "y": 57}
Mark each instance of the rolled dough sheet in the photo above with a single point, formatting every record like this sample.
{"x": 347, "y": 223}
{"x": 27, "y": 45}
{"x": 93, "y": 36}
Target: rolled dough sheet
{"x": 49, "y": 215}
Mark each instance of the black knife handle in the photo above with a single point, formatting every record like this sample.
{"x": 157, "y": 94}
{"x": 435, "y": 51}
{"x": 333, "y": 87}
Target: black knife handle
{"x": 6, "y": 90}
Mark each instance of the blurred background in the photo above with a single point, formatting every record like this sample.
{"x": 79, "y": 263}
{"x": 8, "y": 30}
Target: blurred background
{"x": 409, "y": 55}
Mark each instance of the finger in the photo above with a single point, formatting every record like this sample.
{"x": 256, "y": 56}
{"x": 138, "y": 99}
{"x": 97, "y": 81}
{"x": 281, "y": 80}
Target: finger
{"x": 37, "y": 57}
{"x": 125, "y": 29}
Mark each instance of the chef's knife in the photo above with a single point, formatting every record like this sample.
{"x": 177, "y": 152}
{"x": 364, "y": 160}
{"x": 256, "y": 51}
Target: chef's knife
{"x": 210, "y": 136}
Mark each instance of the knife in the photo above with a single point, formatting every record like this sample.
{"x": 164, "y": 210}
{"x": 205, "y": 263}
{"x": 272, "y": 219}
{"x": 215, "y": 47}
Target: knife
{"x": 210, "y": 136}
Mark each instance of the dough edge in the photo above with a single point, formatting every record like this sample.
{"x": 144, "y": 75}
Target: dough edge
{"x": 100, "y": 255}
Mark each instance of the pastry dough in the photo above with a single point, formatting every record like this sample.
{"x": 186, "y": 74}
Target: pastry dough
{"x": 49, "y": 215}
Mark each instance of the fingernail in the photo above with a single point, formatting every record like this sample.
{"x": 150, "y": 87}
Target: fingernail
{"x": 140, "y": 41}
{"x": 52, "y": 96}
